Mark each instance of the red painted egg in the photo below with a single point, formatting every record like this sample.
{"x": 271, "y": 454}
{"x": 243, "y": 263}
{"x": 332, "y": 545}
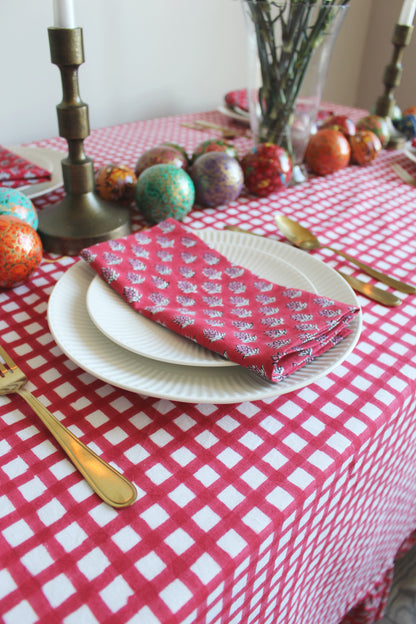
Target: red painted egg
{"x": 160, "y": 155}
{"x": 178, "y": 147}
{"x": 214, "y": 145}
{"x": 327, "y": 151}
{"x": 376, "y": 124}
{"x": 342, "y": 123}
{"x": 267, "y": 168}
{"x": 365, "y": 146}
{"x": 115, "y": 183}
{"x": 20, "y": 251}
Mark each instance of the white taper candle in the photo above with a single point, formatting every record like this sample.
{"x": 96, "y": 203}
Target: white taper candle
{"x": 63, "y": 13}
{"x": 407, "y": 13}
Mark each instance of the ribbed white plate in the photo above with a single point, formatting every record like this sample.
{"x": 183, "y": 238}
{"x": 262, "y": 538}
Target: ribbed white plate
{"x": 84, "y": 344}
{"x": 117, "y": 320}
{"x": 50, "y": 160}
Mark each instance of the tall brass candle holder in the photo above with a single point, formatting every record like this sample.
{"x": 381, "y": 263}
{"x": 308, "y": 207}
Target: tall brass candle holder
{"x": 386, "y": 103}
{"x": 82, "y": 218}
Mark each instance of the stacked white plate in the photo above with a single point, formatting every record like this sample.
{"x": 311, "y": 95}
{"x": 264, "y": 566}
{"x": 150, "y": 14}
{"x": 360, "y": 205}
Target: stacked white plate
{"x": 101, "y": 333}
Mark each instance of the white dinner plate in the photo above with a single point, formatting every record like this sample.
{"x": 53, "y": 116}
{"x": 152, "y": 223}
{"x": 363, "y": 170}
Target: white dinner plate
{"x": 84, "y": 344}
{"x": 50, "y": 160}
{"x": 242, "y": 117}
{"x": 117, "y": 320}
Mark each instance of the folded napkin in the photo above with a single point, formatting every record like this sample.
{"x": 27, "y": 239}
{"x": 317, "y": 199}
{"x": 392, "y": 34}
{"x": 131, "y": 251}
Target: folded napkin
{"x": 238, "y": 99}
{"x": 170, "y": 275}
{"x": 16, "y": 171}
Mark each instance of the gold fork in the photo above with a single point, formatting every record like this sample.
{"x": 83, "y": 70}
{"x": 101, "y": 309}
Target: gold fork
{"x": 108, "y": 483}
{"x": 403, "y": 174}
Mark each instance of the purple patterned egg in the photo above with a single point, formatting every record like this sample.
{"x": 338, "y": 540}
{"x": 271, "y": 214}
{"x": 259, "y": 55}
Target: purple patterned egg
{"x": 16, "y": 204}
{"x": 218, "y": 179}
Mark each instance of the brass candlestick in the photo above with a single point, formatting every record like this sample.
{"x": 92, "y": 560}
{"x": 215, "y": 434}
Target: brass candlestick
{"x": 82, "y": 218}
{"x": 392, "y": 76}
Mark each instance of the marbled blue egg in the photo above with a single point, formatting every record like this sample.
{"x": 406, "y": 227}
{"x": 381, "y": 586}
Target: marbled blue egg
{"x": 406, "y": 126}
{"x": 16, "y": 204}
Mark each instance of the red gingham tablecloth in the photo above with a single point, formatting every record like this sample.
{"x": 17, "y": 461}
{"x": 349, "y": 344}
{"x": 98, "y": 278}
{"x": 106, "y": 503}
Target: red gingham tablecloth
{"x": 289, "y": 510}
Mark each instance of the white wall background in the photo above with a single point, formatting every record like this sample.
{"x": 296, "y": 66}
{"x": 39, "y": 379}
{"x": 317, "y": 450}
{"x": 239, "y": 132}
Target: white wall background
{"x": 164, "y": 57}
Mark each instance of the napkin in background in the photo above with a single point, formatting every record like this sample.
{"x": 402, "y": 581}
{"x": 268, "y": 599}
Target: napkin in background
{"x": 16, "y": 171}
{"x": 171, "y": 276}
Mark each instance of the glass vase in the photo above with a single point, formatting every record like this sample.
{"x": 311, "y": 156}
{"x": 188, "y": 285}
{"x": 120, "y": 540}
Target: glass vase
{"x": 289, "y": 47}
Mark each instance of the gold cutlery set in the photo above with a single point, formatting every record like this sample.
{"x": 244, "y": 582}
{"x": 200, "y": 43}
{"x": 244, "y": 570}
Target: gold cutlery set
{"x": 304, "y": 239}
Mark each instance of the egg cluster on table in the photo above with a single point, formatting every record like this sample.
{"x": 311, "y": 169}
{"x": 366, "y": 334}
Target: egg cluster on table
{"x": 167, "y": 182}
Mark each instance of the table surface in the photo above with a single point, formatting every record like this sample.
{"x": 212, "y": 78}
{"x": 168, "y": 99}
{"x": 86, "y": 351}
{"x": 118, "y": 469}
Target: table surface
{"x": 285, "y": 510}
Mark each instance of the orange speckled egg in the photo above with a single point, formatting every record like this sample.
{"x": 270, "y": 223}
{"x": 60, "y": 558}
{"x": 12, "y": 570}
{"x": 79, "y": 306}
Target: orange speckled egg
{"x": 327, "y": 151}
{"x": 20, "y": 251}
{"x": 115, "y": 183}
{"x": 365, "y": 146}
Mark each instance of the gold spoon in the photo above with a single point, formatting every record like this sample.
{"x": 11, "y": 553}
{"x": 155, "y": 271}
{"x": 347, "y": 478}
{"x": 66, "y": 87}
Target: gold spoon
{"x": 369, "y": 290}
{"x": 303, "y": 238}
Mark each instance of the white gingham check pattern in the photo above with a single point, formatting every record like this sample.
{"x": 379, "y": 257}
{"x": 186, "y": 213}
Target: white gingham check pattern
{"x": 283, "y": 511}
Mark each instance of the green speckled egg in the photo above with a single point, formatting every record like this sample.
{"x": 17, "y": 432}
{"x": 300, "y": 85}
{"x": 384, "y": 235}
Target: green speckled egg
{"x": 164, "y": 191}
{"x": 376, "y": 124}
{"x": 16, "y": 204}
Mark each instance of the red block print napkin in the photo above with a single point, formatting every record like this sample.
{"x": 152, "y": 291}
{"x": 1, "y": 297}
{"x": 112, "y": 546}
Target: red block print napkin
{"x": 170, "y": 275}
{"x": 16, "y": 171}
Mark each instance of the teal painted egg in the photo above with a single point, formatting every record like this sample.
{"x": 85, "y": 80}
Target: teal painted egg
{"x": 16, "y": 204}
{"x": 164, "y": 191}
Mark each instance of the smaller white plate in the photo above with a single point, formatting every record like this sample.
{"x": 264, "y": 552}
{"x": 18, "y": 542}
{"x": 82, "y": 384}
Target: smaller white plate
{"x": 50, "y": 160}
{"x": 119, "y": 322}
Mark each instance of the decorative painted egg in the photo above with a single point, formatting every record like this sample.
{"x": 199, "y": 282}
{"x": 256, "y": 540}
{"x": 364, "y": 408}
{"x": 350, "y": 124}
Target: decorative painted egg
{"x": 267, "y": 168}
{"x": 406, "y": 126}
{"x": 218, "y": 179}
{"x": 16, "y": 204}
{"x": 376, "y": 124}
{"x": 327, "y": 151}
{"x": 160, "y": 155}
{"x": 20, "y": 251}
{"x": 164, "y": 191}
{"x": 410, "y": 110}
{"x": 180, "y": 149}
{"x": 214, "y": 145}
{"x": 365, "y": 146}
{"x": 115, "y": 183}
{"x": 342, "y": 123}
